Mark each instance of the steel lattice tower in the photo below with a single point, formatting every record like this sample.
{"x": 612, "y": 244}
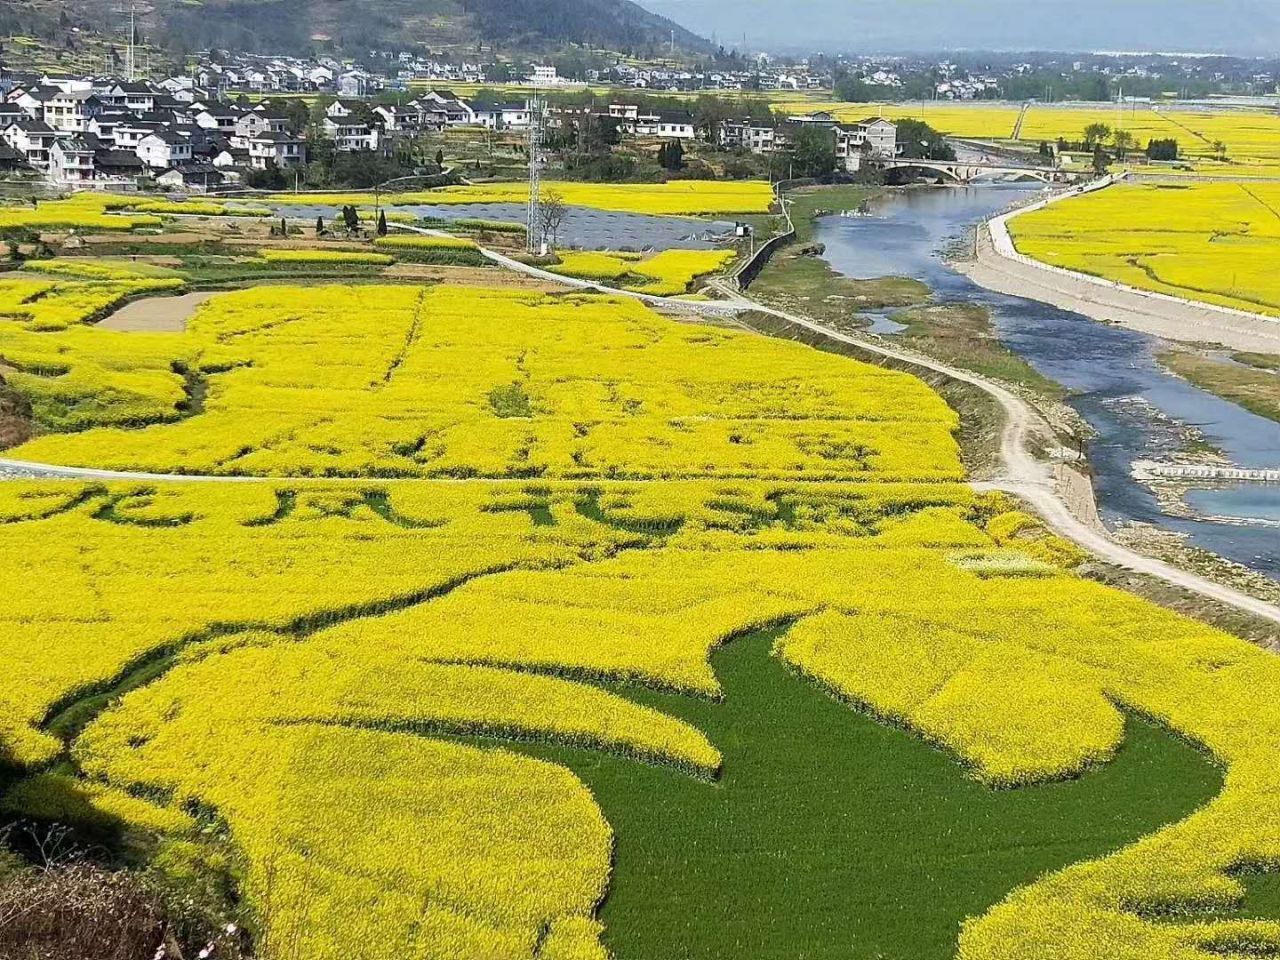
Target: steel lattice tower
{"x": 533, "y": 235}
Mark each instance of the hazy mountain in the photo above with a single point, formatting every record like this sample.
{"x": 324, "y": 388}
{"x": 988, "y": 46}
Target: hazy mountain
{"x": 1243, "y": 27}
{"x": 295, "y": 26}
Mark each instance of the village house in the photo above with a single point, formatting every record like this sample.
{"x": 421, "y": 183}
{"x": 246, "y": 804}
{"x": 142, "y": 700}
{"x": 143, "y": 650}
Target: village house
{"x": 276, "y": 147}
{"x": 162, "y": 149}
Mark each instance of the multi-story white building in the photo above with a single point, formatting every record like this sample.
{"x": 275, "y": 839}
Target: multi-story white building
{"x": 350, "y": 135}
{"x": 163, "y": 149}
{"x": 71, "y": 160}
{"x": 874, "y": 138}
{"x": 757, "y": 136}
{"x": 71, "y": 111}
{"x": 282, "y": 149}
{"x": 33, "y": 139}
{"x": 676, "y": 126}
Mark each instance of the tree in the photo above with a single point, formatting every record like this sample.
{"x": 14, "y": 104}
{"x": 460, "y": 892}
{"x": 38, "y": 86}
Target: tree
{"x": 350, "y": 219}
{"x": 1096, "y": 134}
{"x": 1220, "y": 150}
{"x": 268, "y": 178}
{"x": 671, "y": 155}
{"x": 919, "y": 141}
{"x": 552, "y": 211}
{"x": 813, "y": 151}
{"x": 709, "y": 113}
{"x": 1100, "y": 160}
{"x": 439, "y": 158}
{"x": 382, "y": 223}
{"x": 1162, "y": 150}
{"x": 1123, "y": 141}
{"x": 319, "y": 226}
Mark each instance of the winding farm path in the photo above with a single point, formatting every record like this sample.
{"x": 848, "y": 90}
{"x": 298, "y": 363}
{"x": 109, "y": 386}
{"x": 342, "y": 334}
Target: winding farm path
{"x": 1031, "y": 480}
{"x": 1022, "y": 474}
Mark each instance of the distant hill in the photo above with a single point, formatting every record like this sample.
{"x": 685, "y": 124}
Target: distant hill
{"x": 298, "y": 26}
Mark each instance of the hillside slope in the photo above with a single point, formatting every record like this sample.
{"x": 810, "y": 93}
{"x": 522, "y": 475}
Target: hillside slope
{"x": 297, "y": 26}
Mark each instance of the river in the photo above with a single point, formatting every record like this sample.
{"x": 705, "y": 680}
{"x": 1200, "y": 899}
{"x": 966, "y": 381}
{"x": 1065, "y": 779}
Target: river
{"x": 1137, "y": 410}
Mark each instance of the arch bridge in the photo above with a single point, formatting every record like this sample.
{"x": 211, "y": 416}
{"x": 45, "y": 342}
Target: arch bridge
{"x": 965, "y": 172}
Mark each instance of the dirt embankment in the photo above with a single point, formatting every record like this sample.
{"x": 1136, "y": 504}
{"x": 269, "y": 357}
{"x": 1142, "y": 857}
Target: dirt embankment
{"x": 1170, "y": 319}
{"x": 15, "y": 416}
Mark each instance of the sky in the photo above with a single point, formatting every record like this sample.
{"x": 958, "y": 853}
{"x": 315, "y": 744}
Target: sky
{"x": 1245, "y": 27}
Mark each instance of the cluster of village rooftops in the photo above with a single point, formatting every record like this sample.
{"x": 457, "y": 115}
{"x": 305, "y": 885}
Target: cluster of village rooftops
{"x": 108, "y": 133}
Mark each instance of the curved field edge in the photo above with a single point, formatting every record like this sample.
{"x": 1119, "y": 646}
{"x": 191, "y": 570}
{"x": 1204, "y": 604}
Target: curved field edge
{"x": 461, "y": 383}
{"x": 1014, "y": 668}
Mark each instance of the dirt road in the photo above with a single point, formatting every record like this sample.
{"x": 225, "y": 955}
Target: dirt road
{"x": 156, "y": 314}
{"x": 1030, "y": 480}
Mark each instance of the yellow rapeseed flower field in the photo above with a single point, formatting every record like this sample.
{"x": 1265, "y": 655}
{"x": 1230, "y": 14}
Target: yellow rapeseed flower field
{"x": 337, "y": 672}
{"x": 307, "y": 708}
{"x": 1214, "y": 242}
{"x": 1247, "y": 134}
{"x": 85, "y": 211}
{"x": 677, "y": 197}
{"x": 450, "y": 381}
{"x": 664, "y": 274}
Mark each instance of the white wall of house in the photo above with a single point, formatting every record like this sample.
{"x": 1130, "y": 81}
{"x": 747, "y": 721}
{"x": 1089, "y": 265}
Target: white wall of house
{"x": 160, "y": 154}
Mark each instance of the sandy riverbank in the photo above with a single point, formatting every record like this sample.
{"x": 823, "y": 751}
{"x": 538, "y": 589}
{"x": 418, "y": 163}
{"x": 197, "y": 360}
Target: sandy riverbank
{"x": 1172, "y": 320}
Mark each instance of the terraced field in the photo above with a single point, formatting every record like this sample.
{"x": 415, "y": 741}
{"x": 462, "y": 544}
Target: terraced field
{"x": 554, "y": 629}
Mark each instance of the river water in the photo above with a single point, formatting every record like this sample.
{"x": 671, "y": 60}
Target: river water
{"x": 1138, "y": 410}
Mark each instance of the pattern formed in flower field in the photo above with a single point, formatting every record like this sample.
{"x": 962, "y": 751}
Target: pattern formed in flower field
{"x": 302, "y": 718}
{"x": 399, "y": 381}
{"x": 333, "y": 669}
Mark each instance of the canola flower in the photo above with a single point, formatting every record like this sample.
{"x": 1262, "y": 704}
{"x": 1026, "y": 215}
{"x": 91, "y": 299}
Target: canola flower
{"x": 593, "y": 265}
{"x": 304, "y": 741}
{"x": 675, "y": 198}
{"x": 98, "y": 268}
{"x": 338, "y": 665}
{"x": 82, "y": 211}
{"x": 1250, "y": 135}
{"x": 197, "y": 208}
{"x": 1213, "y": 242}
{"x": 664, "y": 274}
{"x": 451, "y": 381}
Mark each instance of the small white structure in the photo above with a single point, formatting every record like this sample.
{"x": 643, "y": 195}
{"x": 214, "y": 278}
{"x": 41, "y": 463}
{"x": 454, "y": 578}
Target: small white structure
{"x": 675, "y": 126}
